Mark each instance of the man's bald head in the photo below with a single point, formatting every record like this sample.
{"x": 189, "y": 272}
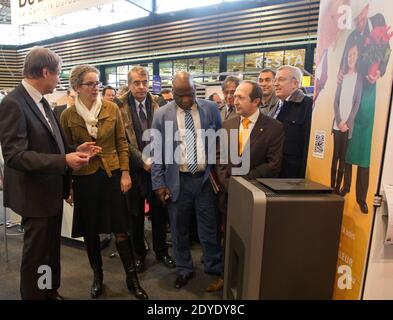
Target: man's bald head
{"x": 183, "y": 89}
{"x": 182, "y": 78}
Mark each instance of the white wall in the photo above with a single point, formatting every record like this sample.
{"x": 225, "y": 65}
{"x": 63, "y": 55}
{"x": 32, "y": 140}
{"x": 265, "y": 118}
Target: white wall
{"x": 379, "y": 278}
{"x": 213, "y": 89}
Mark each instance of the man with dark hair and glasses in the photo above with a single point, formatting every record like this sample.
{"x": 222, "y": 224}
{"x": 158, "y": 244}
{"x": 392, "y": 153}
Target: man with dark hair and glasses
{"x": 138, "y": 106}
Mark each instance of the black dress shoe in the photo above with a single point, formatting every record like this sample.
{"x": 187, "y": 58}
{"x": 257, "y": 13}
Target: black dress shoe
{"x": 140, "y": 265}
{"x": 363, "y": 207}
{"x": 53, "y": 295}
{"x": 168, "y": 261}
{"x": 343, "y": 192}
{"x": 182, "y": 280}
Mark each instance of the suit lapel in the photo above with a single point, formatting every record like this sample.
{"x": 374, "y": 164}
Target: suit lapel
{"x": 171, "y": 116}
{"x": 202, "y": 115}
{"x": 30, "y": 102}
{"x": 258, "y": 129}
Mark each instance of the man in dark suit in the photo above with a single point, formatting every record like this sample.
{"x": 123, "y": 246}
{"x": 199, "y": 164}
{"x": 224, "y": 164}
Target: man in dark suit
{"x": 228, "y": 87}
{"x": 259, "y": 141}
{"x": 294, "y": 111}
{"x": 36, "y": 163}
{"x": 180, "y": 174}
{"x": 137, "y": 107}
{"x": 71, "y": 94}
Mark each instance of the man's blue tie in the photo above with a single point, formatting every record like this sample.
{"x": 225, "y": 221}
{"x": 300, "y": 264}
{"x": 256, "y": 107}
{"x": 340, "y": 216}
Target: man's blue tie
{"x": 191, "y": 148}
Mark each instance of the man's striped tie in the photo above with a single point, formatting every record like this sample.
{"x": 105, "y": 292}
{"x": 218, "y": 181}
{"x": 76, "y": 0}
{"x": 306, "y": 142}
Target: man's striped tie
{"x": 191, "y": 148}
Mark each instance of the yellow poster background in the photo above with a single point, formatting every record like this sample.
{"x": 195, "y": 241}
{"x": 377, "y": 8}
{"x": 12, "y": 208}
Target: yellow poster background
{"x": 356, "y": 226}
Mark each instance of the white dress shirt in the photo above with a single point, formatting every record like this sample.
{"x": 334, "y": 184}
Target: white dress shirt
{"x": 182, "y": 157}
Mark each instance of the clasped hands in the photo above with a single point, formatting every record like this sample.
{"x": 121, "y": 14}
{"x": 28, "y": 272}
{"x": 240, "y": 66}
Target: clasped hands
{"x": 80, "y": 158}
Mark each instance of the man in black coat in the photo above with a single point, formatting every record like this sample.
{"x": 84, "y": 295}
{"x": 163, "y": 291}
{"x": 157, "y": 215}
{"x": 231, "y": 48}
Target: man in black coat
{"x": 137, "y": 107}
{"x": 35, "y": 173}
{"x": 294, "y": 111}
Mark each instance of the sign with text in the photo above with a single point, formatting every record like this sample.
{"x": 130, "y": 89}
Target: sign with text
{"x": 156, "y": 84}
{"x": 27, "y": 11}
{"x": 353, "y": 77}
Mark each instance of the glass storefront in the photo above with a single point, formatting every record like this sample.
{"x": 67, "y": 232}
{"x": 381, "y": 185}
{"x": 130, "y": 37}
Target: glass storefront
{"x": 165, "y": 68}
{"x": 117, "y": 76}
{"x": 179, "y": 65}
{"x": 207, "y": 69}
{"x": 235, "y": 63}
{"x": 111, "y": 76}
{"x": 195, "y": 67}
{"x": 203, "y": 69}
{"x": 295, "y": 57}
{"x": 273, "y": 59}
{"x": 254, "y": 61}
{"x": 212, "y": 69}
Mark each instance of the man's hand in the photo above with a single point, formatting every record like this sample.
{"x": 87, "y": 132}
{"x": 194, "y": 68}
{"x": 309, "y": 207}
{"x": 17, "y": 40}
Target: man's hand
{"x": 89, "y": 148}
{"x": 147, "y": 167}
{"x": 163, "y": 194}
{"x": 125, "y": 181}
{"x": 77, "y": 160}
{"x": 147, "y": 164}
{"x": 372, "y": 79}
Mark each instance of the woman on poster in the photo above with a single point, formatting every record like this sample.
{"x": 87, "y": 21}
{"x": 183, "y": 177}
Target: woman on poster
{"x": 346, "y": 105}
{"x": 372, "y": 37}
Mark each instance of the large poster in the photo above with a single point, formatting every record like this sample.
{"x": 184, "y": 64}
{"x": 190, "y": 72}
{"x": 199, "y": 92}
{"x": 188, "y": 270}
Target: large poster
{"x": 27, "y": 11}
{"x": 352, "y": 93}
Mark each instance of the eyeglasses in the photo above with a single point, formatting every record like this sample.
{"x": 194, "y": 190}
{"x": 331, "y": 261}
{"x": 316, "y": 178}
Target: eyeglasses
{"x": 92, "y": 84}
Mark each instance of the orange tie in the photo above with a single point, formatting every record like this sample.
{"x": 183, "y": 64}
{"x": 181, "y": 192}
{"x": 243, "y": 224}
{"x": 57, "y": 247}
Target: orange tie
{"x": 244, "y": 135}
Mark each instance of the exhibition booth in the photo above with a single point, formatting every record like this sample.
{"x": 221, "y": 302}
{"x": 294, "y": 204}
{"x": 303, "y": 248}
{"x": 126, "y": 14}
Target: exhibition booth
{"x": 329, "y": 236}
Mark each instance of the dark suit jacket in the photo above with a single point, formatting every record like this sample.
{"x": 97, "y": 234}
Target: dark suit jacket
{"x": 265, "y": 144}
{"x": 35, "y": 170}
{"x": 141, "y": 180}
{"x": 296, "y": 118}
{"x": 223, "y": 111}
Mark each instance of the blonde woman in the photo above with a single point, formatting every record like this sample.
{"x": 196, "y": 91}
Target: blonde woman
{"x": 99, "y": 187}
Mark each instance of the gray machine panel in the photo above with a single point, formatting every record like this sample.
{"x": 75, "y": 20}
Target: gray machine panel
{"x": 294, "y": 185}
{"x": 290, "y": 243}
